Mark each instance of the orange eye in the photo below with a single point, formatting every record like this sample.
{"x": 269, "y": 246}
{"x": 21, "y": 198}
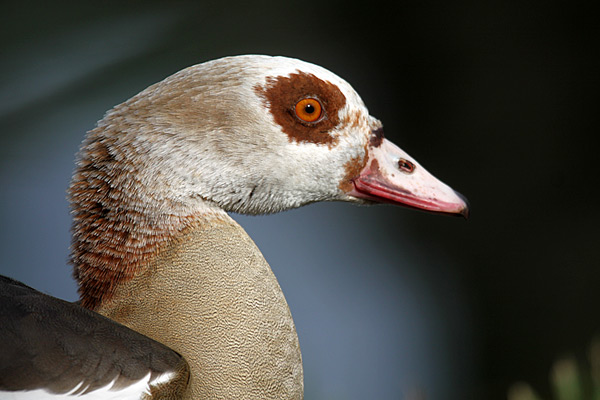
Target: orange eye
{"x": 309, "y": 109}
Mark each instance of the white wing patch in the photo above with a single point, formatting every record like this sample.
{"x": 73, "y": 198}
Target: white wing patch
{"x": 135, "y": 391}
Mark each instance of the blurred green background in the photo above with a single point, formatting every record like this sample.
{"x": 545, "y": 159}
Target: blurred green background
{"x": 498, "y": 99}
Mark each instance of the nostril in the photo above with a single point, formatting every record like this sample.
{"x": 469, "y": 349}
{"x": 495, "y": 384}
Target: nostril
{"x": 406, "y": 166}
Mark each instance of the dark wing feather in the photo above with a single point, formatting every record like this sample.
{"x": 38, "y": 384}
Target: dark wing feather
{"x": 47, "y": 343}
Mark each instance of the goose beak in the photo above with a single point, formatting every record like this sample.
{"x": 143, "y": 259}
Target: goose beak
{"x": 392, "y": 176}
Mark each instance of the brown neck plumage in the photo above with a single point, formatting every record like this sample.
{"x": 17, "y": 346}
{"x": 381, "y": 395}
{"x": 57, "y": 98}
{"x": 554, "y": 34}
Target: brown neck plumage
{"x": 116, "y": 231}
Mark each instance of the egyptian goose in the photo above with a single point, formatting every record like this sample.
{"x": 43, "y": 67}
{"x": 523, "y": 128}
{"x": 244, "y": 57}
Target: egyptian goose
{"x": 176, "y": 299}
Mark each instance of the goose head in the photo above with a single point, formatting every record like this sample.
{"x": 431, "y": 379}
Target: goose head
{"x": 254, "y": 135}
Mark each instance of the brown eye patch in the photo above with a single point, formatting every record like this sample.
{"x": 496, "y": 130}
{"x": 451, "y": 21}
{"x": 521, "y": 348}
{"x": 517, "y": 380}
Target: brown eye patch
{"x": 283, "y": 93}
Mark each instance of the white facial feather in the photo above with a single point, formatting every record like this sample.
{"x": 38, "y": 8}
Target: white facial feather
{"x": 204, "y": 134}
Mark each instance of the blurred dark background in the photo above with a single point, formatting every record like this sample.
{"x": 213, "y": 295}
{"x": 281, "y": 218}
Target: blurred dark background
{"x": 498, "y": 99}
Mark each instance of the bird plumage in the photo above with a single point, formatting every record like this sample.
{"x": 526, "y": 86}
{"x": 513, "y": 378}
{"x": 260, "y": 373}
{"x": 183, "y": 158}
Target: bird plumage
{"x": 153, "y": 247}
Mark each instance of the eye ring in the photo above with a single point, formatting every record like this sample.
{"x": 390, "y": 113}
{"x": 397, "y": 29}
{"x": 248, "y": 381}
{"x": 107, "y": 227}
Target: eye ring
{"x": 309, "y": 109}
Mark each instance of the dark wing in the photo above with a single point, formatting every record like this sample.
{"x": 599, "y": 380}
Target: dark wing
{"x": 59, "y": 347}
